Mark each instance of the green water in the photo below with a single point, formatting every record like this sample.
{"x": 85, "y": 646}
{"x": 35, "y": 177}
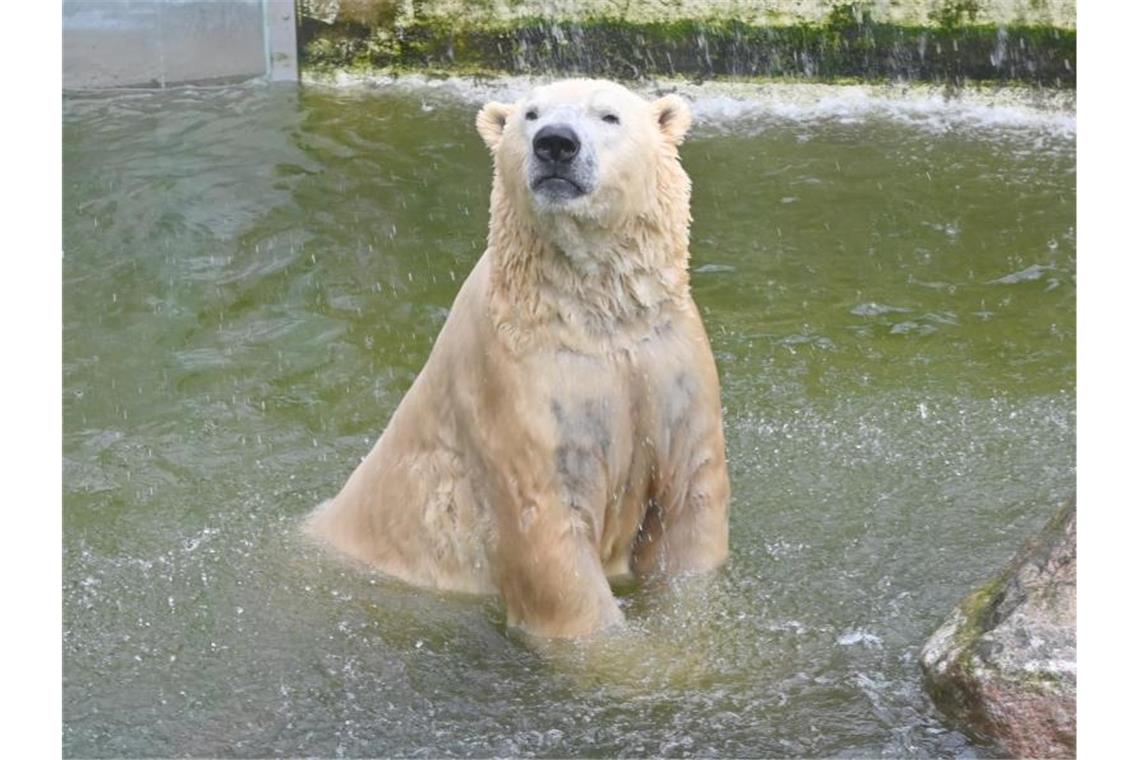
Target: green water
{"x": 252, "y": 278}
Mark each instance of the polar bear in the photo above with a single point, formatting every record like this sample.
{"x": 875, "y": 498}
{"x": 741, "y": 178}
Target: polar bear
{"x": 566, "y": 428}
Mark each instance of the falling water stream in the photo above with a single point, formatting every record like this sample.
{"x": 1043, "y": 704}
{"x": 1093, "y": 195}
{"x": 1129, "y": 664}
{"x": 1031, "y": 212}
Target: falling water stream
{"x": 254, "y": 275}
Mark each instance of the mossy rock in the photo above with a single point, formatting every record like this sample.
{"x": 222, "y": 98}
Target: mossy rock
{"x": 1004, "y": 665}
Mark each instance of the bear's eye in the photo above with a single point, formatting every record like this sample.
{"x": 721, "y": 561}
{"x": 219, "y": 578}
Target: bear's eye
{"x": 531, "y": 115}
{"x": 611, "y": 119}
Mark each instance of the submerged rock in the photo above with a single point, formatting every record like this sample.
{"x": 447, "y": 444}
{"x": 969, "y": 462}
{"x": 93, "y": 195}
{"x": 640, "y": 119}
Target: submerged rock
{"x": 1005, "y": 664}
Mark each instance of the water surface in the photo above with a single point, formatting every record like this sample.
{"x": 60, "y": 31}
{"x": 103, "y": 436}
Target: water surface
{"x": 254, "y": 275}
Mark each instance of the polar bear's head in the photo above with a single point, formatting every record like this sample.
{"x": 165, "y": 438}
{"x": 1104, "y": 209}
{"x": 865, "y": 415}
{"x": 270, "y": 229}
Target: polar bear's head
{"x": 587, "y": 149}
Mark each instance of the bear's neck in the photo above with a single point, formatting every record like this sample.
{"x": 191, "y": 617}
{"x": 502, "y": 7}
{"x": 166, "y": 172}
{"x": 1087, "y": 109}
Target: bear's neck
{"x": 581, "y": 286}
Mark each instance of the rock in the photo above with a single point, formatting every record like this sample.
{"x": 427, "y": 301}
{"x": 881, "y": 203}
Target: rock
{"x": 1005, "y": 664}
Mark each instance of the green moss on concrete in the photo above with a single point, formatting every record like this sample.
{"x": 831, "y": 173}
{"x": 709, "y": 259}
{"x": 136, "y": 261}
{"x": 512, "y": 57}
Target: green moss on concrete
{"x": 483, "y": 13}
{"x": 846, "y": 47}
{"x": 953, "y": 14}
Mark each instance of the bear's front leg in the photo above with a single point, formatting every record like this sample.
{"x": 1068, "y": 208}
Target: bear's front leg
{"x": 685, "y": 528}
{"x": 550, "y": 576}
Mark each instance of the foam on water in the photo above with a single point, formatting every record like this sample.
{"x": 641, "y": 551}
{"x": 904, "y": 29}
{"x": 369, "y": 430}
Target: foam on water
{"x": 737, "y": 106}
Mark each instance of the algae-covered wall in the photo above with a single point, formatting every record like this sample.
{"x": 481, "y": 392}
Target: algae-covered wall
{"x": 1059, "y": 13}
{"x": 1032, "y": 41}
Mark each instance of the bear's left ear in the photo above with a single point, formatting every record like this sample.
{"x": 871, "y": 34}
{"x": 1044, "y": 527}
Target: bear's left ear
{"x": 491, "y": 121}
{"x": 673, "y": 117}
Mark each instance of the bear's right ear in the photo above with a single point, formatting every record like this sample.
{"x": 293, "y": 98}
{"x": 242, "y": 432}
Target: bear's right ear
{"x": 491, "y": 121}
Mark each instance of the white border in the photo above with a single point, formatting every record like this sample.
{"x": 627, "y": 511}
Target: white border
{"x": 31, "y": 548}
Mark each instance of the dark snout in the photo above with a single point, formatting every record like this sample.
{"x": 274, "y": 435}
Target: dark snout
{"x": 556, "y": 143}
{"x": 560, "y": 169}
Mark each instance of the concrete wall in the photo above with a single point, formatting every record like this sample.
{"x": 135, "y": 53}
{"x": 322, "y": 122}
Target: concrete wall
{"x": 1050, "y": 13}
{"x": 945, "y": 41}
{"x": 127, "y": 43}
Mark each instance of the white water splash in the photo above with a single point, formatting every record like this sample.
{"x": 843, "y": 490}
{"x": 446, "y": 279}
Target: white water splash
{"x": 859, "y": 636}
{"x": 739, "y": 106}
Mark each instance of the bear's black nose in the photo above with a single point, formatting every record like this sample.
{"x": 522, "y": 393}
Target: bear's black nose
{"x": 557, "y": 143}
